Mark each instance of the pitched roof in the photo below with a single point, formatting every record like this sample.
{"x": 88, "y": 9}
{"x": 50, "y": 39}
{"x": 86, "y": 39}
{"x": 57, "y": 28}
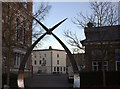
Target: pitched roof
{"x": 48, "y": 50}
{"x": 105, "y": 33}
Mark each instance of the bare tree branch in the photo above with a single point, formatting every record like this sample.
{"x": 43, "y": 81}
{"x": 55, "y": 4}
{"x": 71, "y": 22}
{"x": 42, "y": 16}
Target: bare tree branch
{"x": 103, "y": 14}
{"x": 73, "y": 40}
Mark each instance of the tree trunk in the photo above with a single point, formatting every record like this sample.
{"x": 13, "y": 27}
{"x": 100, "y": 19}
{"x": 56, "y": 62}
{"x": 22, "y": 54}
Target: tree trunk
{"x": 8, "y": 66}
{"x": 103, "y": 72}
{"x": 9, "y": 47}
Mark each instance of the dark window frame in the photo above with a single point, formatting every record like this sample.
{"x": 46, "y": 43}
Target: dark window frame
{"x": 35, "y": 62}
{"x": 58, "y": 55}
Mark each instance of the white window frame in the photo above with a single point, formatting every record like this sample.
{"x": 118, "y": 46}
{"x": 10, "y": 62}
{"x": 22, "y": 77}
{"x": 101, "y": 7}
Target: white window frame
{"x": 54, "y": 69}
{"x": 117, "y": 51}
{"x": 35, "y": 56}
{"x": 94, "y": 65}
{"x": 116, "y": 66}
{"x": 58, "y": 62}
{"x": 93, "y": 69}
{"x": 40, "y": 62}
{"x": 58, "y": 69}
{"x": 35, "y": 62}
{"x": 64, "y": 69}
{"x": 17, "y": 60}
{"x": 61, "y": 69}
{"x": 106, "y": 66}
{"x": 58, "y": 55}
{"x": 40, "y": 56}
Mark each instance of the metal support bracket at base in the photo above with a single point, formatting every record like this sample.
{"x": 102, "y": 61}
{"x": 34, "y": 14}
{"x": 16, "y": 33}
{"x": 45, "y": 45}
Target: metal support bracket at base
{"x": 20, "y": 80}
{"x": 76, "y": 81}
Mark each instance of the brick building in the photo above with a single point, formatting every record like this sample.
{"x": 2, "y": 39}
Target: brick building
{"x": 102, "y": 45}
{"x": 79, "y": 58}
{"x": 16, "y": 34}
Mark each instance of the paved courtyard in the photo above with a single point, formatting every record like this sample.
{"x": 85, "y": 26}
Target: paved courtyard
{"x": 48, "y": 81}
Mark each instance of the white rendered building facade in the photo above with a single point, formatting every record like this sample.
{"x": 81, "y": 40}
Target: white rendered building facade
{"x": 49, "y": 61}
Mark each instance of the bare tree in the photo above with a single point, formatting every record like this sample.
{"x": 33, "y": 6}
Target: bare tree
{"x": 73, "y": 40}
{"x": 103, "y": 14}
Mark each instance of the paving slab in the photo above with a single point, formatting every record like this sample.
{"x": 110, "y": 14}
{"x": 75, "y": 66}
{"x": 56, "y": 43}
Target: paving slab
{"x": 48, "y": 81}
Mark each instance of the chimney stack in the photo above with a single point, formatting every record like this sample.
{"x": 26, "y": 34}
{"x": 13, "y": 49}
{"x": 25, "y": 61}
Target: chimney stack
{"x": 90, "y": 24}
{"x": 50, "y": 47}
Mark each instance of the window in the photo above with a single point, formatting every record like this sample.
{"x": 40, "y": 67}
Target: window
{"x": 44, "y": 61}
{"x": 54, "y": 68}
{"x": 23, "y": 33}
{"x": 106, "y": 65}
{"x": 58, "y": 62}
{"x": 35, "y": 62}
{"x": 57, "y": 69}
{"x": 98, "y": 53}
{"x": 24, "y": 4}
{"x": 45, "y": 55}
{"x": 40, "y": 62}
{"x": 57, "y": 55}
{"x": 94, "y": 66}
{"x": 64, "y": 68}
{"x": 17, "y": 60}
{"x": 117, "y": 58}
{"x": 97, "y": 65}
{"x": 40, "y": 55}
{"x": 61, "y": 68}
{"x": 26, "y": 65}
{"x": 16, "y": 32}
{"x": 117, "y": 65}
{"x": 35, "y": 55}
{"x": 4, "y": 60}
